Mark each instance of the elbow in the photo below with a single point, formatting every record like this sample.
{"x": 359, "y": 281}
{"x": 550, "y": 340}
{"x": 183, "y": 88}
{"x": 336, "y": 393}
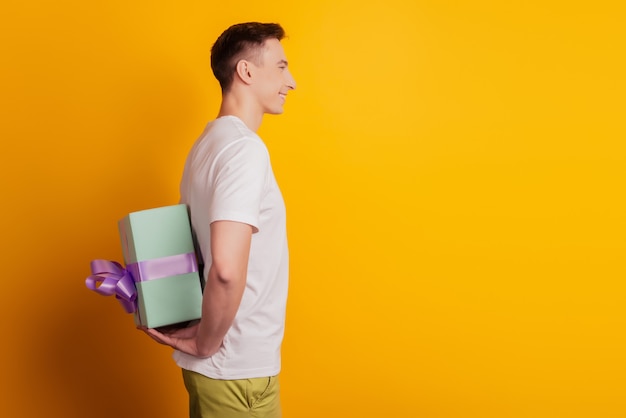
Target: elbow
{"x": 226, "y": 276}
{"x": 224, "y": 279}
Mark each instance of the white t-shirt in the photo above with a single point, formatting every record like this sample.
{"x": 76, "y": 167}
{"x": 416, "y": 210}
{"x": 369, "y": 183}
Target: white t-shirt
{"x": 228, "y": 176}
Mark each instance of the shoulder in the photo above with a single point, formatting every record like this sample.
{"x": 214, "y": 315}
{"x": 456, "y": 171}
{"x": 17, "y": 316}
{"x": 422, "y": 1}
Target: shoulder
{"x": 236, "y": 141}
{"x": 228, "y": 138}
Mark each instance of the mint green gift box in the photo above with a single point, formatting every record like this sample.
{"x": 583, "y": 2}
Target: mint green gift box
{"x": 159, "y": 253}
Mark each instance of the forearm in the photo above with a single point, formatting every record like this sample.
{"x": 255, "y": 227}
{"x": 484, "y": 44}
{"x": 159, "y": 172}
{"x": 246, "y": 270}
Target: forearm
{"x": 226, "y": 281}
{"x": 221, "y": 300}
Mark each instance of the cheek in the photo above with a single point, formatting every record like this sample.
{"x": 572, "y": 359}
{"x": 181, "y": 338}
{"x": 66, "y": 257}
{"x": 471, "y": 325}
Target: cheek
{"x": 274, "y": 84}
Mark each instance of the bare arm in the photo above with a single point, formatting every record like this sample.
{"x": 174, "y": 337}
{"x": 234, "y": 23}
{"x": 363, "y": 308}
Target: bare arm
{"x": 226, "y": 281}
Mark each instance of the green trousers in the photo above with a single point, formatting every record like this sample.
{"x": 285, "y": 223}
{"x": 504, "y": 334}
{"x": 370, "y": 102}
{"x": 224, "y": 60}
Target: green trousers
{"x": 245, "y": 398}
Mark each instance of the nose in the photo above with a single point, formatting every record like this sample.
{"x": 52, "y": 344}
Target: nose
{"x": 290, "y": 81}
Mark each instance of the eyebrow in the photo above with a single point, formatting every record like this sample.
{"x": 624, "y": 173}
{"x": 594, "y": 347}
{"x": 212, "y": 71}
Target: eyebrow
{"x": 283, "y": 62}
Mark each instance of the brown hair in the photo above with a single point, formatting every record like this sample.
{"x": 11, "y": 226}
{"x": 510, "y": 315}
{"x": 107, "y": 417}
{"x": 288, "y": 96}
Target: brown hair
{"x": 240, "y": 41}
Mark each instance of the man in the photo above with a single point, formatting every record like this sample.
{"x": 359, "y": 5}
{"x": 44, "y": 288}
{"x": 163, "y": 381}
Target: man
{"x": 231, "y": 358}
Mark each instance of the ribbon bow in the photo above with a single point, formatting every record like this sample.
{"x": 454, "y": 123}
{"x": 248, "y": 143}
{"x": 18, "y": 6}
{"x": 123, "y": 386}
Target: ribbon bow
{"x": 110, "y": 278}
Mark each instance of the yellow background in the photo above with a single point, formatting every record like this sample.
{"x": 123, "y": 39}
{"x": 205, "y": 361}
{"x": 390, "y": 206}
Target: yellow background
{"x": 454, "y": 175}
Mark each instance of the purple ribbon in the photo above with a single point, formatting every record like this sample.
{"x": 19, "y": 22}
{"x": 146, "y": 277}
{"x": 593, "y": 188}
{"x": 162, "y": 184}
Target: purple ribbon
{"x": 159, "y": 268}
{"x": 110, "y": 278}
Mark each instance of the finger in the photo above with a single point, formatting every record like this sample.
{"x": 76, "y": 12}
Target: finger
{"x": 155, "y": 335}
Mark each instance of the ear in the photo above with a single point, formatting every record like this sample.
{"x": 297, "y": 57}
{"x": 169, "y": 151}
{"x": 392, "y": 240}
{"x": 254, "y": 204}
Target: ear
{"x": 243, "y": 70}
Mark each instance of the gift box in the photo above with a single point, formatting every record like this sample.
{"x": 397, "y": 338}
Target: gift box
{"x": 159, "y": 254}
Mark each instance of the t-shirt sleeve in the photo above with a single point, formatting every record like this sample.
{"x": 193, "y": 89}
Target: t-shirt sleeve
{"x": 240, "y": 177}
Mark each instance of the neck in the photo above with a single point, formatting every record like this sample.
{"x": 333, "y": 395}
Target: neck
{"x": 243, "y": 108}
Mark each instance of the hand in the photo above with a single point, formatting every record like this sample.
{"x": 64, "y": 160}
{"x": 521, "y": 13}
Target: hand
{"x": 183, "y": 339}
{"x": 189, "y": 330}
